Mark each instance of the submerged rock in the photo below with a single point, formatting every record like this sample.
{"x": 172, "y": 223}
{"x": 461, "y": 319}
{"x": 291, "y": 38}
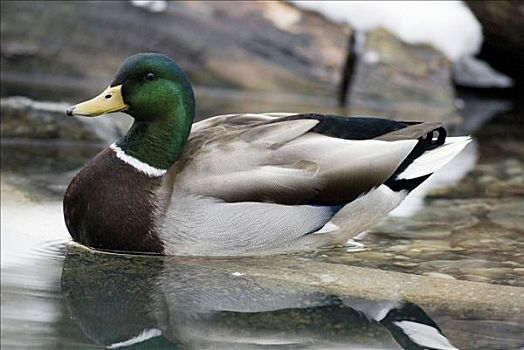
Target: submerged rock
{"x": 431, "y": 221}
{"x": 509, "y": 215}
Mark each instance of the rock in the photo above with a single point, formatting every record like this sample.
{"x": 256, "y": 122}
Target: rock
{"x": 503, "y": 30}
{"x": 23, "y": 117}
{"x": 412, "y": 82}
{"x": 405, "y": 264}
{"x": 439, "y": 275}
{"x": 437, "y": 220}
{"x": 72, "y": 49}
{"x": 509, "y": 215}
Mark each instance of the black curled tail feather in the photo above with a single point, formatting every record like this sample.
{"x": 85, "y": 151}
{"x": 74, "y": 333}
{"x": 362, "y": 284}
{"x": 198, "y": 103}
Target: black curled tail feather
{"x": 430, "y": 141}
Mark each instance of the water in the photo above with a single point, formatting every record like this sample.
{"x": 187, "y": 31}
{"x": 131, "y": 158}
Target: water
{"x": 453, "y": 255}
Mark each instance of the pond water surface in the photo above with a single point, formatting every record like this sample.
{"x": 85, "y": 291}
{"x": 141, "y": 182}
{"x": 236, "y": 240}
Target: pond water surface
{"x": 452, "y": 258}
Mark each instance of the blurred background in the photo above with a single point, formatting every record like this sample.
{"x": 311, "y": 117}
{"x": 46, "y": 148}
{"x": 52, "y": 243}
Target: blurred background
{"x": 395, "y": 59}
{"x": 410, "y": 60}
{"x": 460, "y": 62}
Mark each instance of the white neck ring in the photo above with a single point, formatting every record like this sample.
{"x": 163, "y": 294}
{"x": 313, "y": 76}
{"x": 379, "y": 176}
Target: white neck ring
{"x": 137, "y": 164}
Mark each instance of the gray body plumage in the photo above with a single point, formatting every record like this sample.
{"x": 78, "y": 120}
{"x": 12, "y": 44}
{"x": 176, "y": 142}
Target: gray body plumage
{"x": 246, "y": 185}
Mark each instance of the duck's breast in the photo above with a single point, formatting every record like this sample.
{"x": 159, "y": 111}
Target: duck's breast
{"x": 110, "y": 205}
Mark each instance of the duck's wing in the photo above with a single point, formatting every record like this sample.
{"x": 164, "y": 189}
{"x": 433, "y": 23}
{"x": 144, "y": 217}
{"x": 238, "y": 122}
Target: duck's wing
{"x": 259, "y": 184}
{"x": 295, "y": 159}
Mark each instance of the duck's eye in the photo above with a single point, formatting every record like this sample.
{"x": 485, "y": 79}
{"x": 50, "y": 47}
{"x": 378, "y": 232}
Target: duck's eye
{"x": 150, "y": 76}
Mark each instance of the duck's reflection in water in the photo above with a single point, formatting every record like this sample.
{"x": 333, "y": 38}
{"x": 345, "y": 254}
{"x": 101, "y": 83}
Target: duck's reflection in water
{"x": 121, "y": 301}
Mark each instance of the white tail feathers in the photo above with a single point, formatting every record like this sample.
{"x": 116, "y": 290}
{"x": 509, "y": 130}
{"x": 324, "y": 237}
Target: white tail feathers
{"x": 431, "y": 161}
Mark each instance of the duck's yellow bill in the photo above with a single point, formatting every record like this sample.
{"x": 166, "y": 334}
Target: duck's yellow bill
{"x": 110, "y": 100}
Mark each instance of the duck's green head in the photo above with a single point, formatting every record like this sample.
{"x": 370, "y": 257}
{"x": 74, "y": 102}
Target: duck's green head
{"x": 157, "y": 93}
{"x": 147, "y": 86}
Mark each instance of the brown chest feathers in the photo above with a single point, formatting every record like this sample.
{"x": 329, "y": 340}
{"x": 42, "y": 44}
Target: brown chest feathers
{"x": 110, "y": 205}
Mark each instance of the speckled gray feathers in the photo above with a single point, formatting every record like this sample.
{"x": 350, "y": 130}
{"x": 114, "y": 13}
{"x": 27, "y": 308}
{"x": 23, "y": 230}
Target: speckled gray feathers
{"x": 248, "y": 187}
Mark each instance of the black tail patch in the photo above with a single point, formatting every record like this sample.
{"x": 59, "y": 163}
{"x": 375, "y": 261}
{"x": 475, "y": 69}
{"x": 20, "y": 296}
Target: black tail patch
{"x": 353, "y": 128}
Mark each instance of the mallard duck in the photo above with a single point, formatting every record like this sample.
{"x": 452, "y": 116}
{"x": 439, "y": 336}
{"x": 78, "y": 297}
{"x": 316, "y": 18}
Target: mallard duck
{"x": 238, "y": 184}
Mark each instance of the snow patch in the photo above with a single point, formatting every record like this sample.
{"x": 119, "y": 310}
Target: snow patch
{"x": 447, "y": 25}
{"x": 155, "y": 6}
{"x": 283, "y": 17}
